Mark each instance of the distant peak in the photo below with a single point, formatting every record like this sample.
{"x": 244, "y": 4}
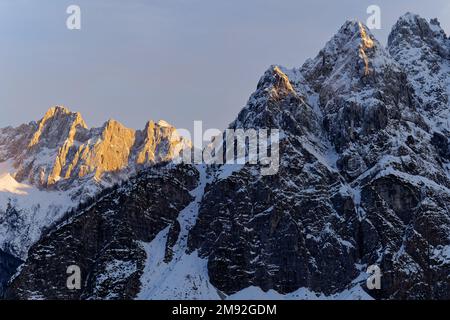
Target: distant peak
{"x": 62, "y": 120}
{"x": 151, "y": 125}
{"x": 112, "y": 122}
{"x": 163, "y": 123}
{"x": 114, "y": 125}
{"x": 354, "y": 26}
{"x": 56, "y": 110}
{"x": 352, "y": 29}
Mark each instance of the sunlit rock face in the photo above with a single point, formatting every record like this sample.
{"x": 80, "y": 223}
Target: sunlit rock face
{"x": 364, "y": 177}
{"x": 62, "y": 149}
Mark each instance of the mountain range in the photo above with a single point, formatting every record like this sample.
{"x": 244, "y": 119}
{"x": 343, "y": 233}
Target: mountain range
{"x": 363, "y": 180}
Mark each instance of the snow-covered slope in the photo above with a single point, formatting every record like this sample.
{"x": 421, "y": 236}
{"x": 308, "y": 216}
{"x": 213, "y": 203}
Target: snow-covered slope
{"x": 25, "y": 210}
{"x": 185, "y": 276}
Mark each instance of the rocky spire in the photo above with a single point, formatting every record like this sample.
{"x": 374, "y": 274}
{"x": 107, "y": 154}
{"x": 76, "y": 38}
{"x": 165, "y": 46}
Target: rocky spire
{"x": 351, "y": 57}
{"x": 278, "y": 102}
{"x": 57, "y": 125}
{"x": 413, "y": 31}
{"x": 423, "y": 50}
{"x": 360, "y": 87}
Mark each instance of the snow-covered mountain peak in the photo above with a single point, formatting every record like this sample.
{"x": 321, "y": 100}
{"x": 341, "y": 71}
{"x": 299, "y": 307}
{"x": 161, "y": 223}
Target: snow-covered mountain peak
{"x": 353, "y": 33}
{"x": 362, "y": 181}
{"x": 423, "y": 50}
{"x": 279, "y": 102}
{"x": 352, "y": 37}
{"x": 58, "y": 110}
{"x": 352, "y": 58}
{"x": 158, "y": 142}
{"x": 415, "y": 22}
{"x": 413, "y": 31}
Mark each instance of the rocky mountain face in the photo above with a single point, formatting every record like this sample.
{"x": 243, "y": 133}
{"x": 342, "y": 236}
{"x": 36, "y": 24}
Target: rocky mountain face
{"x": 105, "y": 239}
{"x": 360, "y": 183}
{"x": 50, "y": 166}
{"x": 423, "y": 50}
{"x": 363, "y": 179}
{"x": 60, "y": 150}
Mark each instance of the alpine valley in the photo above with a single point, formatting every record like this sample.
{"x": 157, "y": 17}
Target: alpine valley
{"x": 363, "y": 179}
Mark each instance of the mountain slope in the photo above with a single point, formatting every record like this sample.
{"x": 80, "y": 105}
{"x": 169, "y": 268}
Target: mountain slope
{"x": 8, "y": 266}
{"x": 104, "y": 239}
{"x": 371, "y": 197}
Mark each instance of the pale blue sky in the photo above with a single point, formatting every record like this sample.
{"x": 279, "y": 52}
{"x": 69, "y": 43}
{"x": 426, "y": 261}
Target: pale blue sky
{"x": 178, "y": 60}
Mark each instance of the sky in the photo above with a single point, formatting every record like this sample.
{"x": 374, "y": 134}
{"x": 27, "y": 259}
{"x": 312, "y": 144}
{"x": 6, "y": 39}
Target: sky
{"x": 177, "y": 60}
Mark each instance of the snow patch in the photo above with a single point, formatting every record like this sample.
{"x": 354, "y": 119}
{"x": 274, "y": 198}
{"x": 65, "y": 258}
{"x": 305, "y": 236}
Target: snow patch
{"x": 186, "y": 275}
{"x": 34, "y": 210}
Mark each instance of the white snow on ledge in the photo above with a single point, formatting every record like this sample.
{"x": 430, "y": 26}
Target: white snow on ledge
{"x": 8, "y": 183}
{"x": 442, "y": 254}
